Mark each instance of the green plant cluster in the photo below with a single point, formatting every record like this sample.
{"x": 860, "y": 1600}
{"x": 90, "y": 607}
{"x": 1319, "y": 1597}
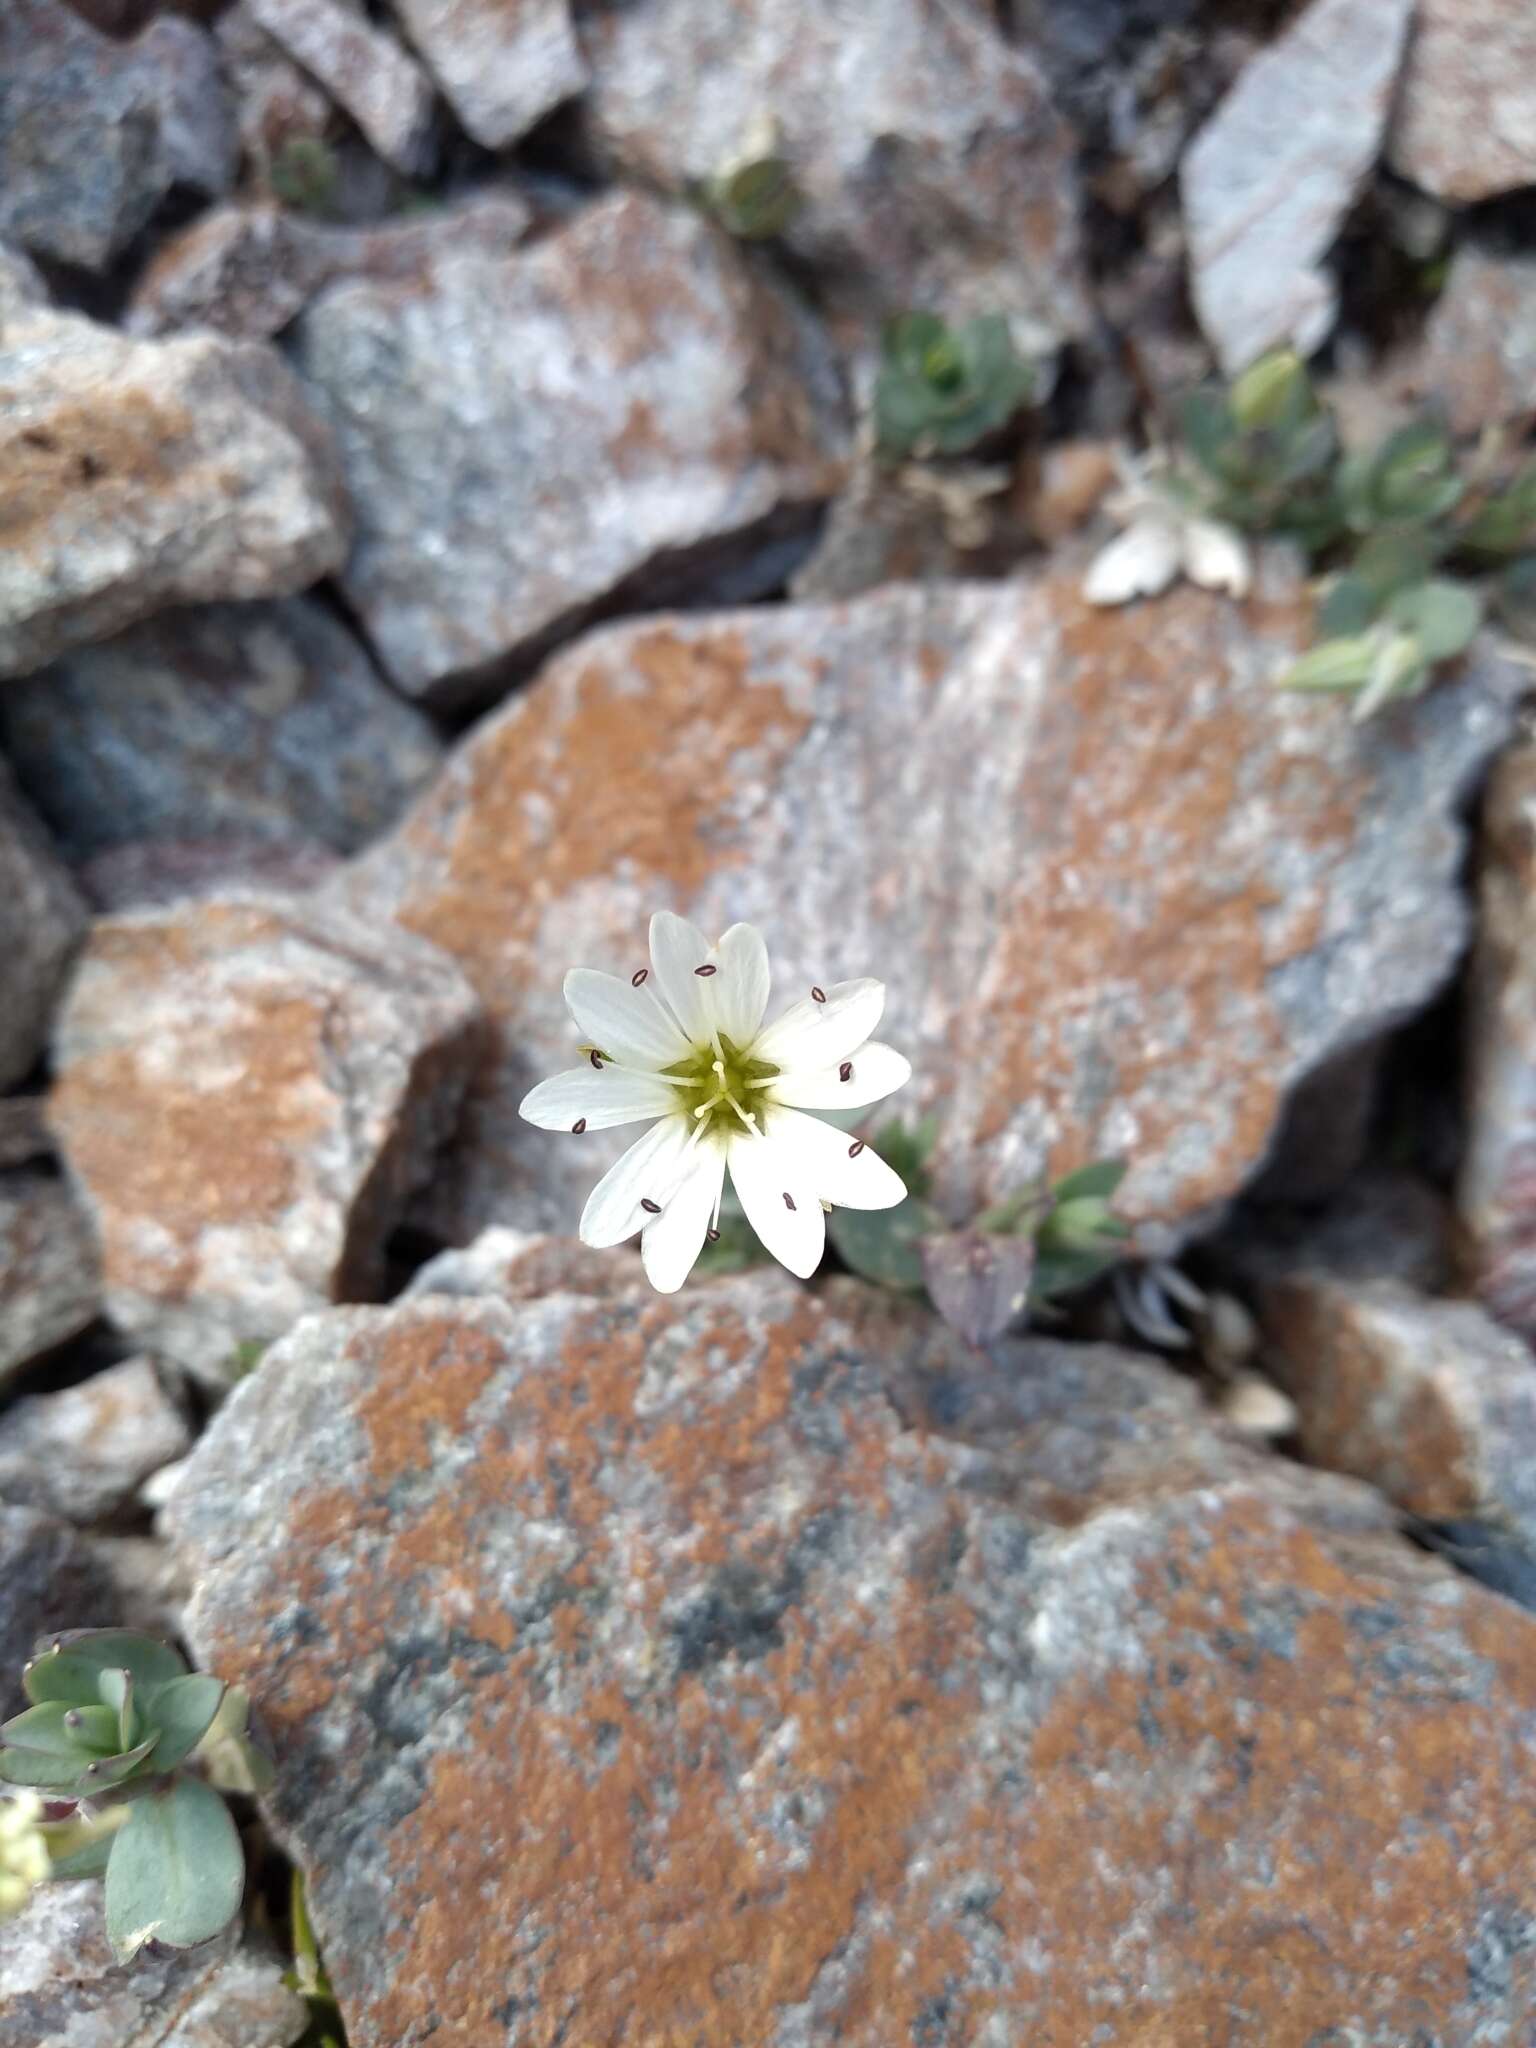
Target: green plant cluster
{"x": 1413, "y": 548}
{"x": 132, "y": 1751}
{"x": 943, "y": 390}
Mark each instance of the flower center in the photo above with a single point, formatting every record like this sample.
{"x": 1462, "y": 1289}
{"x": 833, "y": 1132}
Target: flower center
{"x": 717, "y": 1086}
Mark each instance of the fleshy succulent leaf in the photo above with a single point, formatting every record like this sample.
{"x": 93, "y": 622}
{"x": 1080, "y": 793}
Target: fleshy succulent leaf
{"x": 183, "y": 1712}
{"x": 150, "y": 1661}
{"x": 1442, "y": 616}
{"x": 177, "y": 1871}
{"x": 44, "y": 1727}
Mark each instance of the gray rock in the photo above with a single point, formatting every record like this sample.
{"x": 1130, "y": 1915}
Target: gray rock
{"x": 248, "y": 1091}
{"x": 24, "y": 1136}
{"x": 1123, "y": 893}
{"x": 364, "y": 70}
{"x": 1001, "y": 1699}
{"x": 148, "y": 473}
{"x": 83, "y": 1453}
{"x": 1496, "y": 1190}
{"x": 502, "y": 64}
{"x": 164, "y": 871}
{"x": 94, "y": 133}
{"x": 48, "y": 1581}
{"x": 50, "y": 1268}
{"x": 41, "y": 922}
{"x": 20, "y": 283}
{"x": 1269, "y": 179}
{"x": 148, "y": 1584}
{"x": 1478, "y": 352}
{"x": 260, "y": 722}
{"x": 623, "y": 409}
{"x": 1465, "y": 126}
{"x": 250, "y": 268}
{"x": 1429, "y": 1400}
{"x": 62, "y": 1988}
{"x": 277, "y": 102}
{"x": 934, "y": 168}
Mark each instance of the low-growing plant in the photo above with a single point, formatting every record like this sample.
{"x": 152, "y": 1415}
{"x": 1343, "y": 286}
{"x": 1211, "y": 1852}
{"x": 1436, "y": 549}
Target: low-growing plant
{"x": 131, "y": 1751}
{"x": 304, "y": 173}
{"x": 753, "y": 194}
{"x": 942, "y": 390}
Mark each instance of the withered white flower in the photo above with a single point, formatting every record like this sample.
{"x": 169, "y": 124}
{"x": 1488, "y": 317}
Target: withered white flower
{"x": 682, "y": 1046}
{"x": 1164, "y": 536}
{"x": 24, "y": 1861}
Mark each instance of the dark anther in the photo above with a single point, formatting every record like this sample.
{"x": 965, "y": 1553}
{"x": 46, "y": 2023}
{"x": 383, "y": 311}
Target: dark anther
{"x": 651, "y": 1208}
{"x": 596, "y": 1058}
{"x": 789, "y": 1201}
{"x": 578, "y": 1127}
{"x": 845, "y": 1071}
{"x": 855, "y": 1148}
{"x": 638, "y": 976}
{"x": 706, "y": 970}
{"x": 818, "y": 995}
{"x": 713, "y": 1236}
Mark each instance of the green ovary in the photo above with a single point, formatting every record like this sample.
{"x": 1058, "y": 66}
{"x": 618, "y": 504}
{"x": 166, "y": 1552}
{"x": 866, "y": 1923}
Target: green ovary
{"x": 718, "y": 1095}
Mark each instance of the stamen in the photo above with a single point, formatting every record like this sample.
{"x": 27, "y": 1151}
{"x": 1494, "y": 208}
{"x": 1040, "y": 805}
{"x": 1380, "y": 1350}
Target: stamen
{"x": 596, "y": 1058}
{"x": 706, "y": 970}
{"x": 855, "y": 1148}
{"x": 578, "y": 1127}
{"x": 651, "y": 1208}
{"x": 789, "y": 1201}
{"x": 845, "y": 1071}
{"x": 638, "y": 976}
{"x": 818, "y": 995}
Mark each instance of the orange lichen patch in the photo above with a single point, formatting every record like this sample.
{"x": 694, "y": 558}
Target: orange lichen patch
{"x": 1125, "y": 893}
{"x": 122, "y": 444}
{"x": 658, "y": 759}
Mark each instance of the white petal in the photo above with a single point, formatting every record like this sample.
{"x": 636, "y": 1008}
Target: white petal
{"x": 877, "y": 1071}
{"x": 779, "y": 1197}
{"x": 677, "y": 948}
{"x": 648, "y": 1171}
{"x": 739, "y": 992}
{"x": 1215, "y": 557}
{"x": 671, "y": 1242}
{"x": 844, "y": 1169}
{"x": 604, "y": 1098}
{"x": 1138, "y": 563}
{"x": 627, "y": 1022}
{"x": 812, "y": 1034}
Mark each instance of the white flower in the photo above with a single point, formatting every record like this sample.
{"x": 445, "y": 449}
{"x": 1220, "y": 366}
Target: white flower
{"x": 1163, "y": 537}
{"x": 682, "y": 1045}
{"x": 23, "y": 1852}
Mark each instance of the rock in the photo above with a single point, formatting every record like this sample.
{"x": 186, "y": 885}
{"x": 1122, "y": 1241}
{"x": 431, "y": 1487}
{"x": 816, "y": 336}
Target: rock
{"x": 517, "y": 1265}
{"x": 148, "y": 1586}
{"x": 84, "y": 1452}
{"x": 50, "y": 1269}
{"x": 48, "y": 1581}
{"x": 41, "y": 922}
{"x": 149, "y": 473}
{"x": 50, "y": 1278}
{"x": 1465, "y": 126}
{"x": 249, "y": 269}
{"x": 24, "y": 1135}
{"x": 265, "y": 722}
{"x": 934, "y": 169}
{"x": 502, "y": 64}
{"x": 1384, "y": 1224}
{"x": 94, "y": 133}
{"x": 279, "y": 103}
{"x": 1056, "y": 1716}
{"x": 248, "y": 1090}
{"x": 20, "y": 283}
{"x": 164, "y": 871}
{"x": 916, "y": 525}
{"x": 1496, "y": 1192}
{"x": 62, "y": 1988}
{"x": 1269, "y": 179}
{"x": 503, "y": 495}
{"x": 364, "y": 71}
{"x": 1175, "y": 892}
{"x": 1429, "y": 1400}
{"x": 1478, "y": 352}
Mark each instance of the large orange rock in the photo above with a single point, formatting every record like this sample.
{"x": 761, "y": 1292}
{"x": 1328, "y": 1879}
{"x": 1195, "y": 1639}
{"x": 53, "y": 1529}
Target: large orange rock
{"x": 755, "y": 1667}
{"x": 1123, "y": 893}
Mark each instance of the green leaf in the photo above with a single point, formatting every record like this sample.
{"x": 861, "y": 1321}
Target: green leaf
{"x": 884, "y": 1245}
{"x": 1441, "y": 615}
{"x": 177, "y": 1871}
{"x": 1064, "y": 1272}
{"x": 1349, "y": 606}
{"x": 1514, "y": 597}
{"x": 90, "y": 1861}
{"x": 1100, "y": 1180}
{"x": 79, "y": 1775}
{"x": 150, "y": 1661}
{"x": 1273, "y": 393}
{"x": 1335, "y": 665}
{"x": 45, "y": 1727}
{"x": 116, "y": 1688}
{"x": 183, "y": 1712}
